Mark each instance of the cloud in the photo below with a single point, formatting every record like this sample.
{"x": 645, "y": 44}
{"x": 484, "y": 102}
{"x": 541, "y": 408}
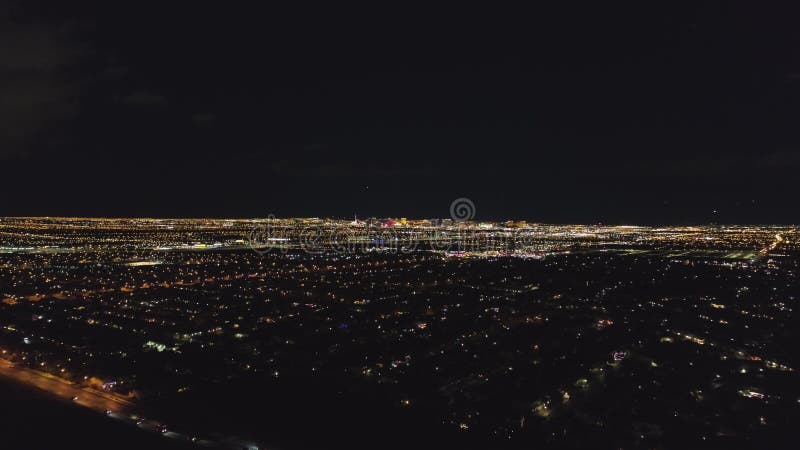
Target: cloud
{"x": 36, "y": 87}
{"x": 144, "y": 98}
{"x": 201, "y": 118}
{"x": 780, "y": 159}
{"x": 305, "y": 169}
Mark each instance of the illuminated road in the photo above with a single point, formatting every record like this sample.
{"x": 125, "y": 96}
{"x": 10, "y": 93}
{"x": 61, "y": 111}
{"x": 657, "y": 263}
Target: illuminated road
{"x": 87, "y": 397}
{"x": 120, "y": 408}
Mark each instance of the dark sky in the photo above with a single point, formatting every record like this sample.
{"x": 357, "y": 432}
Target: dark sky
{"x": 637, "y": 114}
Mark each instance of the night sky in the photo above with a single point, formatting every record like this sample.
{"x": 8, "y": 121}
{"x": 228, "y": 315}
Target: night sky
{"x": 636, "y": 114}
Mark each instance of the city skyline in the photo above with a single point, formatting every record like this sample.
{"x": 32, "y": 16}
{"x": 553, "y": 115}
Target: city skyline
{"x": 319, "y": 333}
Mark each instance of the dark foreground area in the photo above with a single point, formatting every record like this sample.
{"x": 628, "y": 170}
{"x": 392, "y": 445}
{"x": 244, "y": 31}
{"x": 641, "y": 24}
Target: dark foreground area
{"x": 30, "y": 419}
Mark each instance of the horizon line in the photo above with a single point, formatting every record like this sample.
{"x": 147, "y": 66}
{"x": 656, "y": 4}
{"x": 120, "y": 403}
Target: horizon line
{"x": 531, "y": 222}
